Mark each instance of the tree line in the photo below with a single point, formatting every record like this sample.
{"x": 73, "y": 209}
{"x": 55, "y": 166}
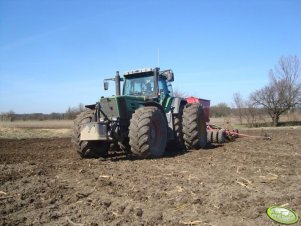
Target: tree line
{"x": 69, "y": 114}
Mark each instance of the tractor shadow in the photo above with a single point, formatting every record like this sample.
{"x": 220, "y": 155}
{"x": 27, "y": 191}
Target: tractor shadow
{"x": 169, "y": 153}
{"x": 213, "y": 146}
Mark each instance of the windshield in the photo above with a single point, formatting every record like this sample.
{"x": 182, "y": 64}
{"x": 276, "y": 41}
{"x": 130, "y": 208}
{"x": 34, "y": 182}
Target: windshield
{"x": 139, "y": 86}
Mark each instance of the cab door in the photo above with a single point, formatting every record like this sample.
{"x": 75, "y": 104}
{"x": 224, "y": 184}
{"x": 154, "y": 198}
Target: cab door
{"x": 164, "y": 97}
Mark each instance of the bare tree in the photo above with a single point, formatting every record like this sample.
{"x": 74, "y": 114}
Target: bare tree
{"x": 251, "y": 113}
{"x": 81, "y": 107}
{"x": 220, "y": 110}
{"x": 8, "y": 116}
{"x": 179, "y": 93}
{"x": 72, "y": 112}
{"x": 239, "y": 104}
{"x": 283, "y": 91}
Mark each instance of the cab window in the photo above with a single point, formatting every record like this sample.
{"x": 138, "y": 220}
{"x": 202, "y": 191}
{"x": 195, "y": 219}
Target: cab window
{"x": 163, "y": 87}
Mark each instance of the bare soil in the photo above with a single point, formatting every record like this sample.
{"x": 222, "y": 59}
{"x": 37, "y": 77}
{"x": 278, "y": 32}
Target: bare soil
{"x": 44, "y": 182}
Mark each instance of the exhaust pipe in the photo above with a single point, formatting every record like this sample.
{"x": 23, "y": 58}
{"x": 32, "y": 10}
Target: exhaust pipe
{"x": 117, "y": 83}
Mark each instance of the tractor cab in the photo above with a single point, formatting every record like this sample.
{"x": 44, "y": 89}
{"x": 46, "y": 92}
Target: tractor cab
{"x": 150, "y": 82}
{"x": 140, "y": 84}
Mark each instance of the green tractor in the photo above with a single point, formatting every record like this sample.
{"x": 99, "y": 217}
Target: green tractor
{"x": 142, "y": 121}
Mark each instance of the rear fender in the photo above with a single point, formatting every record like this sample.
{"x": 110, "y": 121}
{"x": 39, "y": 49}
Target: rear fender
{"x": 176, "y": 103}
{"x": 91, "y": 106}
{"x": 151, "y": 103}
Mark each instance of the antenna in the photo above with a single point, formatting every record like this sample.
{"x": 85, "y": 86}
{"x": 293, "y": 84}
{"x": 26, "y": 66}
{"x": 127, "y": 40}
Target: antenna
{"x": 158, "y": 57}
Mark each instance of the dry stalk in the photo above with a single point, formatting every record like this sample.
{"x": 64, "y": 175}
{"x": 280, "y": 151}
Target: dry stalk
{"x": 104, "y": 176}
{"x": 242, "y": 184}
{"x": 249, "y": 186}
{"x": 191, "y": 222}
{"x": 116, "y": 214}
{"x": 215, "y": 206}
{"x": 183, "y": 206}
{"x": 179, "y": 189}
{"x": 6, "y": 197}
{"x": 249, "y": 182}
{"x": 3, "y": 193}
{"x": 283, "y": 205}
{"x": 212, "y": 210}
{"x": 191, "y": 177}
{"x": 270, "y": 176}
{"x": 73, "y": 223}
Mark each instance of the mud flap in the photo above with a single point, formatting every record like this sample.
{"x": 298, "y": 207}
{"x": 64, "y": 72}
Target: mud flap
{"x": 94, "y": 131}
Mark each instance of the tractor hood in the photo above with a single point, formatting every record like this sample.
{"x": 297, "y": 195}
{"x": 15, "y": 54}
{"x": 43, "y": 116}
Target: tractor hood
{"x": 121, "y": 106}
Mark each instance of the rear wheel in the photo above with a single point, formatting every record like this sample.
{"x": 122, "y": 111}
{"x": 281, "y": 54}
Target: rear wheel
{"x": 221, "y": 136}
{"x": 148, "y": 132}
{"x": 215, "y": 136}
{"x": 178, "y": 143}
{"x": 87, "y": 149}
{"x": 209, "y": 136}
{"x": 194, "y": 126}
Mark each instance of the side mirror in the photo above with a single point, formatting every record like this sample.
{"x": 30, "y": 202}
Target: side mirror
{"x": 170, "y": 76}
{"x": 105, "y": 85}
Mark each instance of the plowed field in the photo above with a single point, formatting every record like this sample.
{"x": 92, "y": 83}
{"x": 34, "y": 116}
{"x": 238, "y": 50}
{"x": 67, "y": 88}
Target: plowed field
{"x": 44, "y": 182}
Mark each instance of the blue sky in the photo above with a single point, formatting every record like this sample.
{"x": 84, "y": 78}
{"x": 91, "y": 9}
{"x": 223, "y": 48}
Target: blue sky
{"x": 55, "y": 54}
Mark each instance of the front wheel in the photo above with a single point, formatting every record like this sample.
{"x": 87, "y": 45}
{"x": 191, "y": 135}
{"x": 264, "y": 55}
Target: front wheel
{"x": 87, "y": 149}
{"x": 148, "y": 132}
